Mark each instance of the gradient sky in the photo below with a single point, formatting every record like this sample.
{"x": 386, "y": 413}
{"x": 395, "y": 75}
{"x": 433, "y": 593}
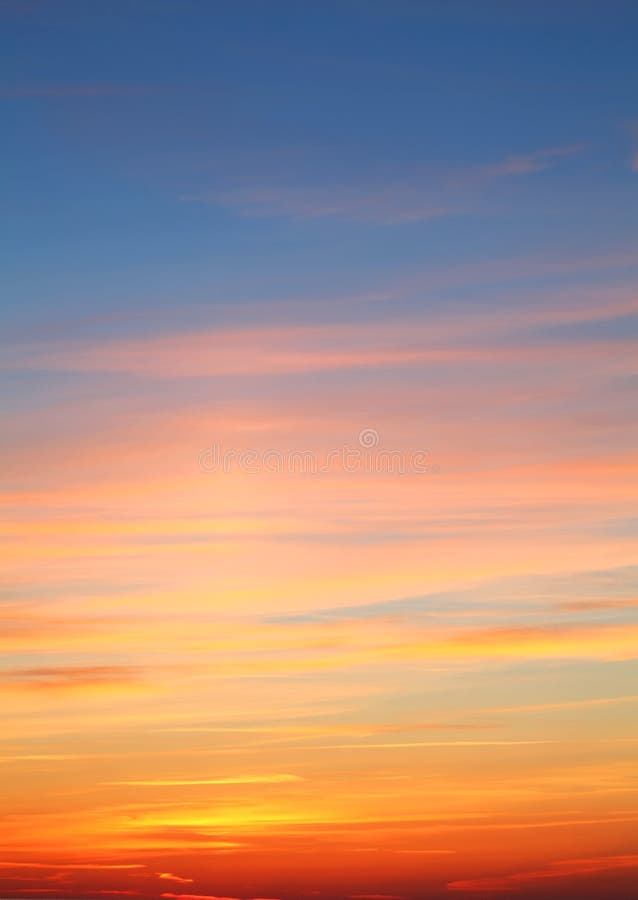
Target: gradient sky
{"x": 290, "y": 231}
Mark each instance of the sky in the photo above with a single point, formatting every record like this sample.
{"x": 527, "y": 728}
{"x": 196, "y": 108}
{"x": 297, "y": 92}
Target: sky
{"x": 318, "y": 460}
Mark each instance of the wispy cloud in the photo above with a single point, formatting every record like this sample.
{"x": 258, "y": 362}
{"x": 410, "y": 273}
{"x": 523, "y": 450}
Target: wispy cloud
{"x": 197, "y": 897}
{"x": 431, "y": 196}
{"x": 389, "y": 205}
{"x": 88, "y": 866}
{"x": 336, "y": 346}
{"x": 42, "y": 757}
{"x": 53, "y": 677}
{"x": 409, "y": 745}
{"x": 169, "y": 876}
{"x": 534, "y": 162}
{"x": 376, "y": 897}
{"x": 210, "y": 897}
{"x": 567, "y": 868}
{"x": 238, "y": 779}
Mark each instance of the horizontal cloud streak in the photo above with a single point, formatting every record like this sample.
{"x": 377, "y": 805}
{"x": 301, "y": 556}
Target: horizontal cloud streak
{"x": 427, "y": 196}
{"x": 562, "y": 869}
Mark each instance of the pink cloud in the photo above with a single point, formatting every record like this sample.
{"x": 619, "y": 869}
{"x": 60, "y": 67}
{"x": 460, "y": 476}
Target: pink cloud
{"x": 533, "y": 162}
{"x": 422, "y": 196}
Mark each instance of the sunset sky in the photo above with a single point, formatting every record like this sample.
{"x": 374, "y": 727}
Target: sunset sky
{"x": 318, "y": 352}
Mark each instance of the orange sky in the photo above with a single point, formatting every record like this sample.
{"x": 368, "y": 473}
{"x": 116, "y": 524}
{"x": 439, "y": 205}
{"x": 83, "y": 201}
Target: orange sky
{"x": 340, "y": 683}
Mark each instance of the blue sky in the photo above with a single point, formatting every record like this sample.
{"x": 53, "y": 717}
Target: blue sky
{"x": 140, "y": 141}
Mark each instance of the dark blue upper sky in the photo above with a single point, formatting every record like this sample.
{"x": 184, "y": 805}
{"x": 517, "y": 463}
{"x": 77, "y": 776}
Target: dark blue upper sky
{"x": 163, "y": 152}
